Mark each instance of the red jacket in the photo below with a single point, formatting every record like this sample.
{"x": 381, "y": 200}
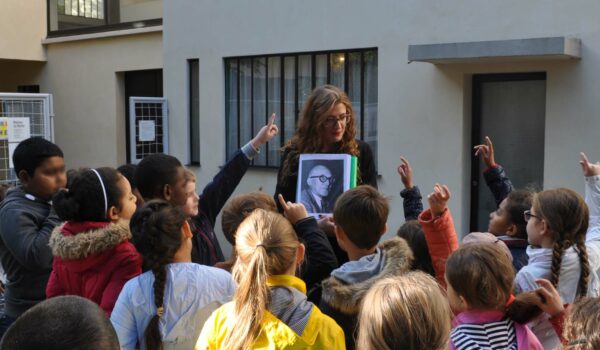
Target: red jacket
{"x": 441, "y": 240}
{"x": 92, "y": 260}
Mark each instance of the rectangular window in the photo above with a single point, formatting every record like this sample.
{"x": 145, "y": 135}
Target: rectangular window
{"x": 194, "y": 81}
{"x": 256, "y": 86}
{"x": 74, "y": 17}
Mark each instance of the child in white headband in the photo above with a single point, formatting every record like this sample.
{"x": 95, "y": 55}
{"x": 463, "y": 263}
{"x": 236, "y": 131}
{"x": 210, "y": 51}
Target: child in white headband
{"x": 93, "y": 257}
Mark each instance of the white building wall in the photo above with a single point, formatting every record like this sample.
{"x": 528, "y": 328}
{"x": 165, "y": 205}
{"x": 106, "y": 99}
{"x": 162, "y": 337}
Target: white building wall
{"x": 424, "y": 109}
{"x": 87, "y": 82}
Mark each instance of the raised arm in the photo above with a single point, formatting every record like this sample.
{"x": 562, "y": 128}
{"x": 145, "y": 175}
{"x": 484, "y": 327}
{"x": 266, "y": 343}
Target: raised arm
{"x": 439, "y": 230}
{"x": 411, "y": 196}
{"x": 217, "y": 192}
{"x": 495, "y": 176}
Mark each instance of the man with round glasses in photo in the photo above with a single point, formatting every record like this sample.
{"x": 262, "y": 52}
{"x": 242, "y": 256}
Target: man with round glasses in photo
{"x": 314, "y": 196}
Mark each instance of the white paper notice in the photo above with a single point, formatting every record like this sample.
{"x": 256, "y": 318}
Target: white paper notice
{"x": 147, "y": 130}
{"x": 18, "y": 129}
{"x": 11, "y": 150}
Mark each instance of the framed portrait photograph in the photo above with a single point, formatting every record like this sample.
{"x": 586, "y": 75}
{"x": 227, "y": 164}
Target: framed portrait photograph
{"x": 322, "y": 178}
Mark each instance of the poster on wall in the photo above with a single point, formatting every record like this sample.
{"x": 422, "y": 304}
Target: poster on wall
{"x": 18, "y": 129}
{"x": 147, "y": 131}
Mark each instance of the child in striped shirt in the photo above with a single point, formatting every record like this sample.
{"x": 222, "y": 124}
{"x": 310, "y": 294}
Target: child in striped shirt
{"x": 488, "y": 316}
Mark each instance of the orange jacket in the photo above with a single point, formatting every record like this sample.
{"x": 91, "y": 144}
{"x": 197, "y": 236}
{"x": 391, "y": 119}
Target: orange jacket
{"x": 441, "y": 240}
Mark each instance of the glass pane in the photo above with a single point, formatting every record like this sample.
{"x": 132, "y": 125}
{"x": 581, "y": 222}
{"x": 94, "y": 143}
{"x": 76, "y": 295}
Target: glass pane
{"x": 513, "y": 116}
{"x": 245, "y": 100}
{"x": 354, "y": 77}
{"x": 370, "y": 94}
{"x": 320, "y": 70}
{"x": 337, "y": 69}
{"x": 274, "y": 105}
{"x": 289, "y": 104}
{"x": 259, "y": 107}
{"x": 304, "y": 79}
{"x": 88, "y": 8}
{"x": 231, "y": 103}
{"x": 194, "y": 111}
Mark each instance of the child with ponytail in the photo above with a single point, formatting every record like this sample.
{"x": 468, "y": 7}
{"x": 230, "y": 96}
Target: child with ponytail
{"x": 488, "y": 316}
{"x": 165, "y": 307}
{"x": 270, "y": 309}
{"x": 93, "y": 257}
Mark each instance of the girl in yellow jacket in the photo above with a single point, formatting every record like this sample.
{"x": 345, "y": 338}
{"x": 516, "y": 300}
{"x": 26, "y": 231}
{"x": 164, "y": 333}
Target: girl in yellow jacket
{"x": 269, "y": 310}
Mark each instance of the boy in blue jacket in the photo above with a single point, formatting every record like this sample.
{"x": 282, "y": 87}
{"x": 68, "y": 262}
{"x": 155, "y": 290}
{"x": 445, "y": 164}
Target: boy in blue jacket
{"x": 26, "y": 221}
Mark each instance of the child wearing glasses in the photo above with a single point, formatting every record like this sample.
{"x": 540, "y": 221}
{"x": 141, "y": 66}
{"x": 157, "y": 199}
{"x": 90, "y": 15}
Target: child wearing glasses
{"x": 561, "y": 233}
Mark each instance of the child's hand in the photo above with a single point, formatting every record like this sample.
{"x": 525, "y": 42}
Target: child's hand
{"x": 438, "y": 199}
{"x": 294, "y": 212}
{"x": 266, "y": 133}
{"x": 406, "y": 173}
{"x": 327, "y": 225}
{"x": 550, "y": 301}
{"x": 487, "y": 151}
{"x": 589, "y": 169}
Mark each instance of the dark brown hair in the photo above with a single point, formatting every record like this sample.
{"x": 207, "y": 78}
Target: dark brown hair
{"x": 156, "y": 230}
{"x": 412, "y": 232}
{"x": 362, "y": 213}
{"x": 516, "y": 203}
{"x": 239, "y": 207}
{"x": 483, "y": 275}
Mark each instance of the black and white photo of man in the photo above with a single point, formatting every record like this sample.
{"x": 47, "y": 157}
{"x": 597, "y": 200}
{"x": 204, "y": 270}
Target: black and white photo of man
{"x": 318, "y": 185}
{"x": 322, "y": 182}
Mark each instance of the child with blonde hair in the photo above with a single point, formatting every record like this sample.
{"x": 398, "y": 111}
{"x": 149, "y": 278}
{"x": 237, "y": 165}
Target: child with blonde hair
{"x": 269, "y": 309}
{"x": 405, "y": 312}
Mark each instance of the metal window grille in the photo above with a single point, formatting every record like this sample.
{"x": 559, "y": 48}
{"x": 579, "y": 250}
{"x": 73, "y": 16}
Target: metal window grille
{"x": 38, "y": 109}
{"x": 81, "y": 8}
{"x": 148, "y": 120}
{"x": 256, "y": 86}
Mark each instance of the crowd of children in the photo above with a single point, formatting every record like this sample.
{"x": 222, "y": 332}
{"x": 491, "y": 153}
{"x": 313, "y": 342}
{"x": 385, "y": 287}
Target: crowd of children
{"x": 129, "y": 259}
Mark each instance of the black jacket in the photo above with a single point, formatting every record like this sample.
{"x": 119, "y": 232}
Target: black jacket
{"x": 205, "y": 245}
{"x": 319, "y": 258}
{"x": 25, "y": 226}
{"x": 286, "y": 185}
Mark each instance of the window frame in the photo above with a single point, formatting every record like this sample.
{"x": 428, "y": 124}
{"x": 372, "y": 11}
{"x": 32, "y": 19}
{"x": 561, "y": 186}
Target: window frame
{"x": 297, "y": 106}
{"x": 106, "y": 27}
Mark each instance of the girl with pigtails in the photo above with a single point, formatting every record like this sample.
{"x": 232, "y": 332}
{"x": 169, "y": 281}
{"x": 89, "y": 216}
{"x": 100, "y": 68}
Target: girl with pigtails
{"x": 165, "y": 307}
{"x": 560, "y": 237}
{"x": 270, "y": 308}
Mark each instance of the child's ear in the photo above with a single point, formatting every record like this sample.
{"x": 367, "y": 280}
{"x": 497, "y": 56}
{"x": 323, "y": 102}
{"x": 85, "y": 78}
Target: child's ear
{"x": 545, "y": 229}
{"x": 340, "y": 237}
{"x": 463, "y": 303}
{"x": 512, "y": 230}
{"x": 112, "y": 214}
{"x": 300, "y": 254}
{"x": 167, "y": 192}
{"x": 385, "y": 228}
{"x": 24, "y": 177}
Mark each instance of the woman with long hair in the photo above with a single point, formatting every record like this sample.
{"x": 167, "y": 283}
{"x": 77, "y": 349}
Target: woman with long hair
{"x": 326, "y": 125}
